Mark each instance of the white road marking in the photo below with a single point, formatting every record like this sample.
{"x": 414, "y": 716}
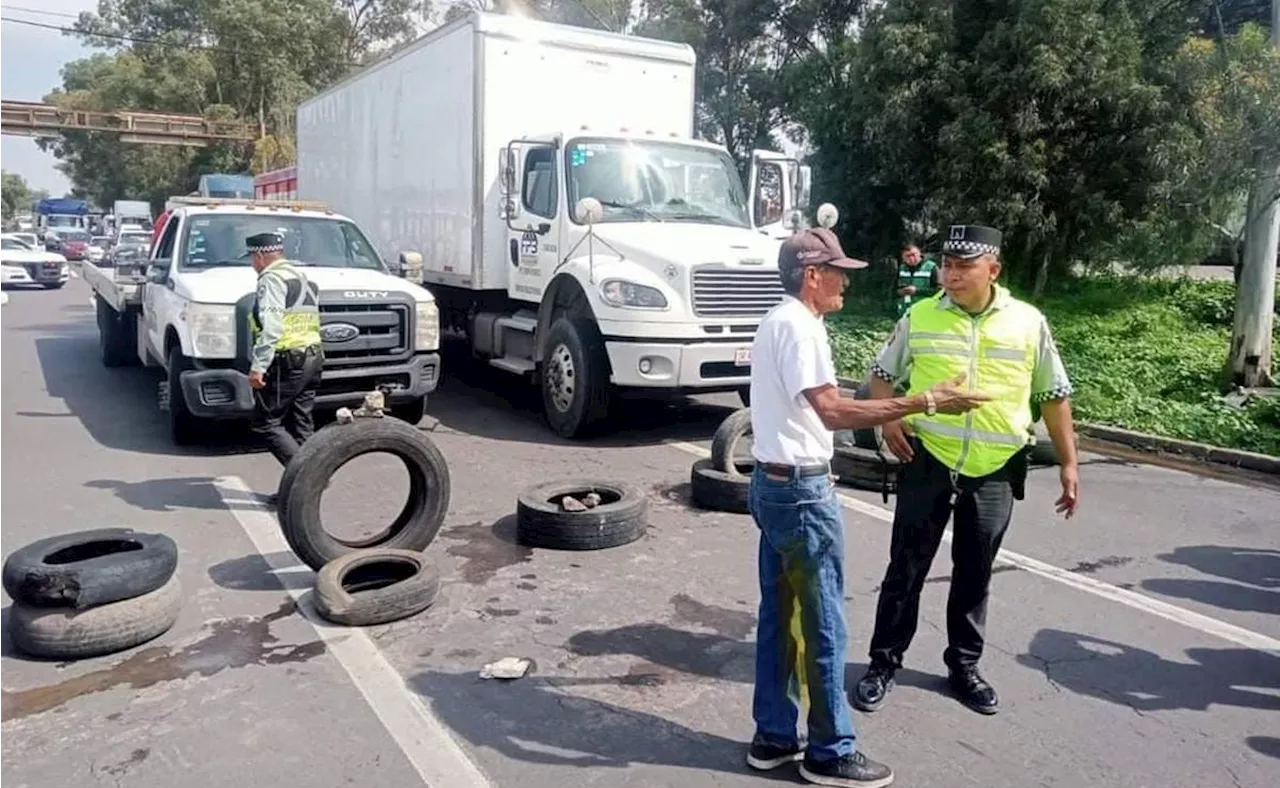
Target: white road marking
{"x": 424, "y": 739}
{"x": 1189, "y": 618}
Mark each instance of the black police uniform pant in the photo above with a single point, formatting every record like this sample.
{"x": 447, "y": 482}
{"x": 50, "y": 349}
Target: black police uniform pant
{"x": 282, "y": 408}
{"x": 927, "y": 498}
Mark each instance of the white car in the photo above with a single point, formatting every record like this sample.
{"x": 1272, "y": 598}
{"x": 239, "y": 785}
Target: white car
{"x": 23, "y": 264}
{"x": 98, "y": 247}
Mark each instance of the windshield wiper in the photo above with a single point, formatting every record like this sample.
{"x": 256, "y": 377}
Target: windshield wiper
{"x": 645, "y": 212}
{"x": 703, "y": 215}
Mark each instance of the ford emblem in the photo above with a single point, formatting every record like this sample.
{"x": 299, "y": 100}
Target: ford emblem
{"x": 338, "y": 332}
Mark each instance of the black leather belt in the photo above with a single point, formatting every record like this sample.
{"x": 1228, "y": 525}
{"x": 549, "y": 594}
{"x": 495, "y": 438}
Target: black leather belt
{"x": 801, "y": 471}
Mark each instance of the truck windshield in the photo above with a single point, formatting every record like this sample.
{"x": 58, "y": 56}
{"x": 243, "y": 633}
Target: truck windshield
{"x": 639, "y": 180}
{"x": 218, "y": 240}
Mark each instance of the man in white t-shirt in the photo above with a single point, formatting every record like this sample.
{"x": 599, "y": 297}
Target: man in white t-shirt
{"x": 795, "y": 408}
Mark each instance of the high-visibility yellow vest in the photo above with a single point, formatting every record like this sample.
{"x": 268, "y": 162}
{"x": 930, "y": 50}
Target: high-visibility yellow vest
{"x": 997, "y": 352}
{"x": 301, "y": 309}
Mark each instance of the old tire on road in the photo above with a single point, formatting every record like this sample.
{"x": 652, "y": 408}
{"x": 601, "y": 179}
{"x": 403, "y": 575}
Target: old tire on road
{"x": 724, "y": 442}
{"x": 867, "y": 469}
{"x": 304, "y": 480}
{"x": 63, "y": 633}
{"x": 376, "y": 586}
{"x": 89, "y": 568}
{"x": 575, "y": 378}
{"x": 712, "y": 488}
{"x": 620, "y": 517}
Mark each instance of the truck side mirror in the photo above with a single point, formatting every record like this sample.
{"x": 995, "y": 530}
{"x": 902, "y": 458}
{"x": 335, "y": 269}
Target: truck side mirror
{"x": 158, "y": 272}
{"x": 828, "y": 215}
{"x": 803, "y": 187}
{"x": 410, "y": 266}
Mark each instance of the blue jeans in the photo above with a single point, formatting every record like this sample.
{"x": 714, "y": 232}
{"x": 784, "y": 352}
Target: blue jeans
{"x": 800, "y": 642}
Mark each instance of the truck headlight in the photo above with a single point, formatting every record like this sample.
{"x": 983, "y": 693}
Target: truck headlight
{"x": 630, "y": 295}
{"x": 213, "y": 330}
{"x": 426, "y": 326}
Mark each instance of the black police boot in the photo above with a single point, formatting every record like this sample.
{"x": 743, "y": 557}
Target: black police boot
{"x": 870, "y": 692}
{"x": 973, "y": 690}
{"x": 851, "y": 771}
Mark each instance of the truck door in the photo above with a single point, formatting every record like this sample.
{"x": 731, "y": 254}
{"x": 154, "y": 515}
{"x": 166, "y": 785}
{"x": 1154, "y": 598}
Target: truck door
{"x": 533, "y": 209}
{"x": 779, "y": 185}
{"x": 156, "y": 290}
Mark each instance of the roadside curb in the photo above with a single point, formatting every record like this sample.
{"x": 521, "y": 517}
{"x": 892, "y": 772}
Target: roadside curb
{"x": 1156, "y": 444}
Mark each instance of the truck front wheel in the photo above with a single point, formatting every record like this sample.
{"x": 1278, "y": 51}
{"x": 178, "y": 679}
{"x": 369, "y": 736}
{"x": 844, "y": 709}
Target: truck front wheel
{"x": 575, "y": 377}
{"x": 184, "y": 426}
{"x": 412, "y": 411}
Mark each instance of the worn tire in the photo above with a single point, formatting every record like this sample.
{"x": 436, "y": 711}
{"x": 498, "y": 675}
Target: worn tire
{"x": 89, "y": 568}
{"x": 352, "y": 590}
{"x": 541, "y": 523}
{"x": 60, "y": 633}
{"x": 712, "y": 488}
{"x": 725, "y": 440}
{"x": 185, "y": 428}
{"x": 866, "y": 469}
{"x": 589, "y": 405}
{"x": 310, "y": 470}
{"x": 410, "y": 412}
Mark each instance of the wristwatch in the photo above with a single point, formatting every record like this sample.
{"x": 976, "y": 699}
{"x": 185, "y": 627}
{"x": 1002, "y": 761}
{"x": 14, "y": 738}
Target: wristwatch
{"x": 930, "y": 404}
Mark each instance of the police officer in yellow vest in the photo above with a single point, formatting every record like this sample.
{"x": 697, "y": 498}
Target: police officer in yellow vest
{"x": 287, "y": 354}
{"x": 971, "y": 466}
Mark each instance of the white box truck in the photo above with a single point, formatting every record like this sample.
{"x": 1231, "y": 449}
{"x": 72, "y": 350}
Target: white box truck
{"x": 570, "y": 226}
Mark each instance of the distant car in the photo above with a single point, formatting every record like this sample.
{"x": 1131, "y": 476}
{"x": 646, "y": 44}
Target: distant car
{"x": 133, "y": 236}
{"x": 24, "y": 264}
{"x": 128, "y": 252}
{"x": 71, "y": 244}
{"x": 99, "y": 245}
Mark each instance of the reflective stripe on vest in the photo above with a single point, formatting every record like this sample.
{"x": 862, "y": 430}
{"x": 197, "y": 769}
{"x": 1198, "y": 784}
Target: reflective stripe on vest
{"x": 997, "y": 353}
{"x": 301, "y": 320}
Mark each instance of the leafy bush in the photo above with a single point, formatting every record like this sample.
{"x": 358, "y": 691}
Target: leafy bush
{"x": 1143, "y": 354}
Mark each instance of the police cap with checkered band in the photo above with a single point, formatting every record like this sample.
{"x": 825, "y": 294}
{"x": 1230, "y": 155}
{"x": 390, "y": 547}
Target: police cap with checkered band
{"x": 264, "y": 242}
{"x": 968, "y": 241}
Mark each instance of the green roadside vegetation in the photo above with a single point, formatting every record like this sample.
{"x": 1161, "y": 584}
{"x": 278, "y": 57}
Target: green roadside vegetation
{"x": 1144, "y": 354}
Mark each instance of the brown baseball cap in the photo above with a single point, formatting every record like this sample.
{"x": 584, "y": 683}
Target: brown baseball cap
{"x": 815, "y": 246}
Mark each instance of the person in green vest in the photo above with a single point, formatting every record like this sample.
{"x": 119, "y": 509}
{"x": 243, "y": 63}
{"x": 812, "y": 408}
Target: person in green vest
{"x": 917, "y": 279}
{"x": 287, "y": 356}
{"x": 967, "y": 468}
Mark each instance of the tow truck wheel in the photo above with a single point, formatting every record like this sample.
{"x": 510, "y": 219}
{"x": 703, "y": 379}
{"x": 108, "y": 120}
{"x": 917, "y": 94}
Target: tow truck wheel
{"x": 54, "y": 285}
{"x": 575, "y": 377}
{"x": 412, "y": 412}
{"x": 184, "y": 427}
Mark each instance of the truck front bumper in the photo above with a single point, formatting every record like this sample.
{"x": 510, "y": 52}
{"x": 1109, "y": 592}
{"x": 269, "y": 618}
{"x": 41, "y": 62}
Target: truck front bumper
{"x": 692, "y": 364}
{"x": 225, "y": 393}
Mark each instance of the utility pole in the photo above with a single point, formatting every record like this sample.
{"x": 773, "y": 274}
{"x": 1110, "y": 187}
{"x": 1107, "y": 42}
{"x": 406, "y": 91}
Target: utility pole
{"x": 1250, "y": 353}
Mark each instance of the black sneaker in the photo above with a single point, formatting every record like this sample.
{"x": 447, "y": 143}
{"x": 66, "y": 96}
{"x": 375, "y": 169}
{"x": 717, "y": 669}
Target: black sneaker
{"x": 872, "y": 689}
{"x": 764, "y": 756}
{"x": 973, "y": 690}
{"x": 853, "y": 771}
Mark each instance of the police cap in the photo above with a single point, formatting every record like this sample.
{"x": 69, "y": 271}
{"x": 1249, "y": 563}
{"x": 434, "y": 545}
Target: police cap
{"x": 264, "y": 242}
{"x": 971, "y": 240}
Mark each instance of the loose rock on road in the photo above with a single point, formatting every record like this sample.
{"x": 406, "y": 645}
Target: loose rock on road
{"x": 643, "y": 653}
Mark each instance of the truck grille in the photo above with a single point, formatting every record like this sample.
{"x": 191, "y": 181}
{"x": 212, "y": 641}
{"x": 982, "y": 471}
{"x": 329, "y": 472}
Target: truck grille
{"x": 382, "y": 333}
{"x": 734, "y": 292}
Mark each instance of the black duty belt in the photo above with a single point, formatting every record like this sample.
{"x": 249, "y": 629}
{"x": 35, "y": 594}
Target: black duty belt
{"x": 799, "y": 471}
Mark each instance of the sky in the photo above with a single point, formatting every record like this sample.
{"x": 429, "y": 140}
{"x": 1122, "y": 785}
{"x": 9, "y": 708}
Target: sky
{"x": 30, "y": 62}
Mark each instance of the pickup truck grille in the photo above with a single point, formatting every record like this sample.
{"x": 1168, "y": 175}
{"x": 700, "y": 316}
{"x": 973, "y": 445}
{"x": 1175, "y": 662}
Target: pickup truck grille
{"x": 734, "y": 292}
{"x": 358, "y": 333}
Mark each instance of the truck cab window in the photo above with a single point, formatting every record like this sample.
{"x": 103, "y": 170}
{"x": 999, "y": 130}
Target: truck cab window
{"x": 540, "y": 182}
{"x": 768, "y": 194}
{"x": 164, "y": 251}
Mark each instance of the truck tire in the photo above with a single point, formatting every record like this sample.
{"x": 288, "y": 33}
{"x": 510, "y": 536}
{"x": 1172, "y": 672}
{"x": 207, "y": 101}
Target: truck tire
{"x": 376, "y": 586}
{"x": 54, "y": 285}
{"x": 89, "y": 568}
{"x": 411, "y": 412}
{"x": 115, "y": 335}
{"x": 867, "y": 469}
{"x": 620, "y": 518}
{"x": 335, "y": 445}
{"x": 725, "y": 441}
{"x": 63, "y": 633}
{"x": 714, "y": 489}
{"x": 575, "y": 378}
{"x": 184, "y": 427}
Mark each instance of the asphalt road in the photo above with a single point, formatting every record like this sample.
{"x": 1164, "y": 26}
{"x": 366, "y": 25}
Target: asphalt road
{"x": 1130, "y": 646}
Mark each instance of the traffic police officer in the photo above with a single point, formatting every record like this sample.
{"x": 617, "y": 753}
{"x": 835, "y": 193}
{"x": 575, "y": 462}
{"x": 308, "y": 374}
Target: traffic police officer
{"x": 969, "y": 466}
{"x": 917, "y": 279}
{"x": 287, "y": 355}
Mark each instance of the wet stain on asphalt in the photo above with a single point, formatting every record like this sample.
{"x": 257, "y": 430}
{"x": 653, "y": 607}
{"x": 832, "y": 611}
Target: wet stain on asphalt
{"x": 528, "y": 577}
{"x": 1109, "y": 562}
{"x": 229, "y": 643}
{"x": 526, "y": 587}
{"x": 500, "y": 612}
{"x": 485, "y": 550}
{"x": 545, "y": 620}
{"x": 462, "y": 653}
{"x": 645, "y": 674}
{"x": 736, "y": 624}
{"x": 136, "y": 757}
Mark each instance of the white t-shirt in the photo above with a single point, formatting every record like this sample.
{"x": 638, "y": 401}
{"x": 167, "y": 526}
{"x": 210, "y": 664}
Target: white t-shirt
{"x": 791, "y": 353}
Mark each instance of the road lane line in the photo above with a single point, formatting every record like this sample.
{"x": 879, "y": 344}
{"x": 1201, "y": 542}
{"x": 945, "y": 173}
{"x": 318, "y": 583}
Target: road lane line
{"x": 421, "y": 736}
{"x": 1189, "y": 618}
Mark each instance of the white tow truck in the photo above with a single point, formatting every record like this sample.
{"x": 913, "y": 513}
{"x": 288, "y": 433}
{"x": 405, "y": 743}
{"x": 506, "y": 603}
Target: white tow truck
{"x": 570, "y": 226}
{"x": 186, "y": 309}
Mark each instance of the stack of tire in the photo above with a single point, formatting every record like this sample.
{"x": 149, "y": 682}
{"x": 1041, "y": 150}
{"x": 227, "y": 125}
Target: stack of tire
{"x": 388, "y": 576}
{"x": 92, "y": 593}
{"x": 722, "y": 481}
